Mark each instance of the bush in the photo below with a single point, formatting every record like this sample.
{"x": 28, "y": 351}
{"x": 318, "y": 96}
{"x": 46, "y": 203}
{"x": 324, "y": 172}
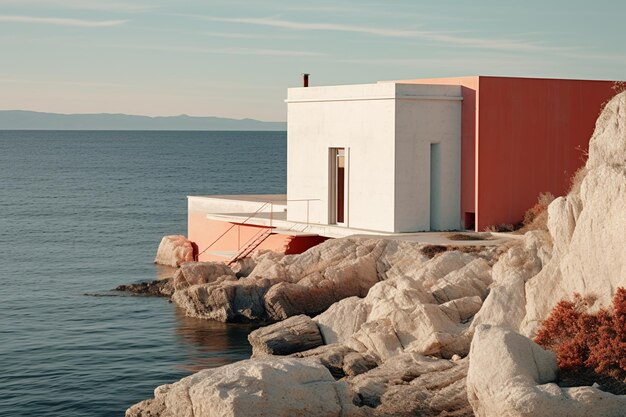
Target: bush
{"x": 581, "y": 339}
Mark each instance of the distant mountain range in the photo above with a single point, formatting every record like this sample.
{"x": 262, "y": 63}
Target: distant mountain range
{"x": 30, "y": 120}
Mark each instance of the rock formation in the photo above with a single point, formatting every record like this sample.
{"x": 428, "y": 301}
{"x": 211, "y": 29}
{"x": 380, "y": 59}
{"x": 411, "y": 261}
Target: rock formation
{"x": 510, "y": 375}
{"x": 174, "y": 250}
{"x": 295, "y": 334}
{"x": 253, "y": 388}
{"x": 397, "y": 319}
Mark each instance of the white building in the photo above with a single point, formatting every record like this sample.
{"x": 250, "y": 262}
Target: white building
{"x": 383, "y": 157}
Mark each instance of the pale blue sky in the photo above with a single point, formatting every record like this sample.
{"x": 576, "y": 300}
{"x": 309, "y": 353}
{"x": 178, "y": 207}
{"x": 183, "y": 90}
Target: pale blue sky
{"x": 235, "y": 58}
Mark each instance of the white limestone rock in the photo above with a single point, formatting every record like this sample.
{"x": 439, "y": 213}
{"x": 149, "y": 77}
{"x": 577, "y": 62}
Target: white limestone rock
{"x": 510, "y": 375}
{"x": 432, "y": 393}
{"x": 253, "y": 388}
{"x": 225, "y": 299}
{"x": 400, "y": 315}
{"x": 461, "y": 310}
{"x": 311, "y": 290}
{"x": 471, "y": 280}
{"x": 587, "y": 227}
{"x": 412, "y": 384}
{"x": 194, "y": 273}
{"x": 340, "y": 360}
{"x": 174, "y": 250}
{"x": 608, "y": 143}
{"x": 506, "y": 303}
{"x": 295, "y": 334}
{"x": 342, "y": 320}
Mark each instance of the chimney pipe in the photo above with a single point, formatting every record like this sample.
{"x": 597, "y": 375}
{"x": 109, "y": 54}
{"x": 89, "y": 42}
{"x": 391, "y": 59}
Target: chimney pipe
{"x": 305, "y": 80}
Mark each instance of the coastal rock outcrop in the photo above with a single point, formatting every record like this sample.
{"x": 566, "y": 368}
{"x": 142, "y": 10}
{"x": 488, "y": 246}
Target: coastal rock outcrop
{"x": 174, "y": 250}
{"x": 414, "y": 385}
{"x": 280, "y": 286}
{"x": 159, "y": 288}
{"x": 397, "y": 318}
{"x": 427, "y": 313}
{"x": 340, "y": 360}
{"x": 253, "y": 388}
{"x": 226, "y": 299}
{"x": 510, "y": 375}
{"x": 195, "y": 273}
{"x": 292, "y": 335}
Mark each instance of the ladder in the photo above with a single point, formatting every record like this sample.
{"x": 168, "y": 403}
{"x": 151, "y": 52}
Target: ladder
{"x": 252, "y": 244}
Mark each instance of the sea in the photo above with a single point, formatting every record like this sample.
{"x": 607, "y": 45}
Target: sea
{"x": 82, "y": 212}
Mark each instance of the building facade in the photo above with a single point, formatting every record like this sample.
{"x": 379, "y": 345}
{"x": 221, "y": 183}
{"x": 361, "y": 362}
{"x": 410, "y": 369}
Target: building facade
{"x": 409, "y": 156}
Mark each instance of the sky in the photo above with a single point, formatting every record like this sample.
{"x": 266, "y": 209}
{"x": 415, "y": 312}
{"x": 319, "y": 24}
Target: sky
{"x": 236, "y": 58}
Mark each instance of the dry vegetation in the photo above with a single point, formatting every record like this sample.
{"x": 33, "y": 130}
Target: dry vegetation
{"x": 468, "y": 236}
{"x": 588, "y": 342}
{"x": 433, "y": 250}
{"x": 536, "y": 217}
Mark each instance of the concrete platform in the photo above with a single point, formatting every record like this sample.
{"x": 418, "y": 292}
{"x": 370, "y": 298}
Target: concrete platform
{"x": 271, "y": 211}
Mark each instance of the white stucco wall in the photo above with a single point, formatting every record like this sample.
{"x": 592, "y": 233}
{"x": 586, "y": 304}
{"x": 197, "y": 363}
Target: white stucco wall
{"x": 435, "y": 118}
{"x": 357, "y": 118}
{"x": 386, "y": 129}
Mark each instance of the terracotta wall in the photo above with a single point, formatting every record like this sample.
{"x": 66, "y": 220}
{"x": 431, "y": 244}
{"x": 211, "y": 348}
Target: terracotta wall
{"x": 203, "y": 232}
{"x": 533, "y": 135}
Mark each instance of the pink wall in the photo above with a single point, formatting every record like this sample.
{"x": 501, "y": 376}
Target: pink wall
{"x": 532, "y": 137}
{"x": 202, "y": 232}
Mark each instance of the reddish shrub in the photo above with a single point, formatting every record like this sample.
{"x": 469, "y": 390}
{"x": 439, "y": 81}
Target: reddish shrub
{"x": 581, "y": 339}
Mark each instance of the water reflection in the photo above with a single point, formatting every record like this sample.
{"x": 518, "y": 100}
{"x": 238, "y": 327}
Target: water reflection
{"x": 211, "y": 343}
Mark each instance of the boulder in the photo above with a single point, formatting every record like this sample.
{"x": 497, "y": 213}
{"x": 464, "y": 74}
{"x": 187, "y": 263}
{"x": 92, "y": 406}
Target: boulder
{"x": 471, "y": 280}
{"x": 340, "y": 360}
{"x": 253, "y": 388}
{"x": 294, "y": 334}
{"x": 438, "y": 393}
{"x": 412, "y": 384}
{"x": 225, "y": 299}
{"x": 194, "y": 273}
{"x": 319, "y": 289}
{"x": 401, "y": 315}
{"x": 174, "y": 250}
{"x": 506, "y": 303}
{"x": 342, "y": 320}
{"x": 510, "y": 375}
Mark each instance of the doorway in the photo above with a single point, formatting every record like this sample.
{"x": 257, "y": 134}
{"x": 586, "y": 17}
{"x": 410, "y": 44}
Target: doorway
{"x": 338, "y": 186}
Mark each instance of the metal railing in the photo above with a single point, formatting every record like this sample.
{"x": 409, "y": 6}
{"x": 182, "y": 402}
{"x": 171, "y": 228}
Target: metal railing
{"x": 308, "y": 206}
{"x": 253, "y": 215}
{"x": 265, "y": 204}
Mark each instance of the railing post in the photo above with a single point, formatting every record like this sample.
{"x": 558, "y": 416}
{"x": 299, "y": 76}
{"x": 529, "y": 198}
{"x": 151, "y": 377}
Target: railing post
{"x": 307, "y": 212}
{"x": 238, "y": 236}
{"x": 271, "y": 213}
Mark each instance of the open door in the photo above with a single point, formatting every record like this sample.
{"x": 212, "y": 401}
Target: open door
{"x": 338, "y": 187}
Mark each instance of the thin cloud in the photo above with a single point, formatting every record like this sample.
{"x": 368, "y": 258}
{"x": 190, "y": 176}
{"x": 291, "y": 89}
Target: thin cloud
{"x": 235, "y": 35}
{"x": 219, "y": 51}
{"x": 440, "y": 37}
{"x": 105, "y": 6}
{"x": 58, "y": 21}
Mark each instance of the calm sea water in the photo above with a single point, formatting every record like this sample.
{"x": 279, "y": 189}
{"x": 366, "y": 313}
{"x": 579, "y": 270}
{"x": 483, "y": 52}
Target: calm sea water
{"x": 82, "y": 212}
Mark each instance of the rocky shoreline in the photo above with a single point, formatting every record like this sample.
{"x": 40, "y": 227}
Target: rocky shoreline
{"x": 379, "y": 327}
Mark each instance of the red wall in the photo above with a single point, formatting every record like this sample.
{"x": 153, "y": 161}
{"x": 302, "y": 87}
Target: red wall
{"x": 532, "y": 137}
